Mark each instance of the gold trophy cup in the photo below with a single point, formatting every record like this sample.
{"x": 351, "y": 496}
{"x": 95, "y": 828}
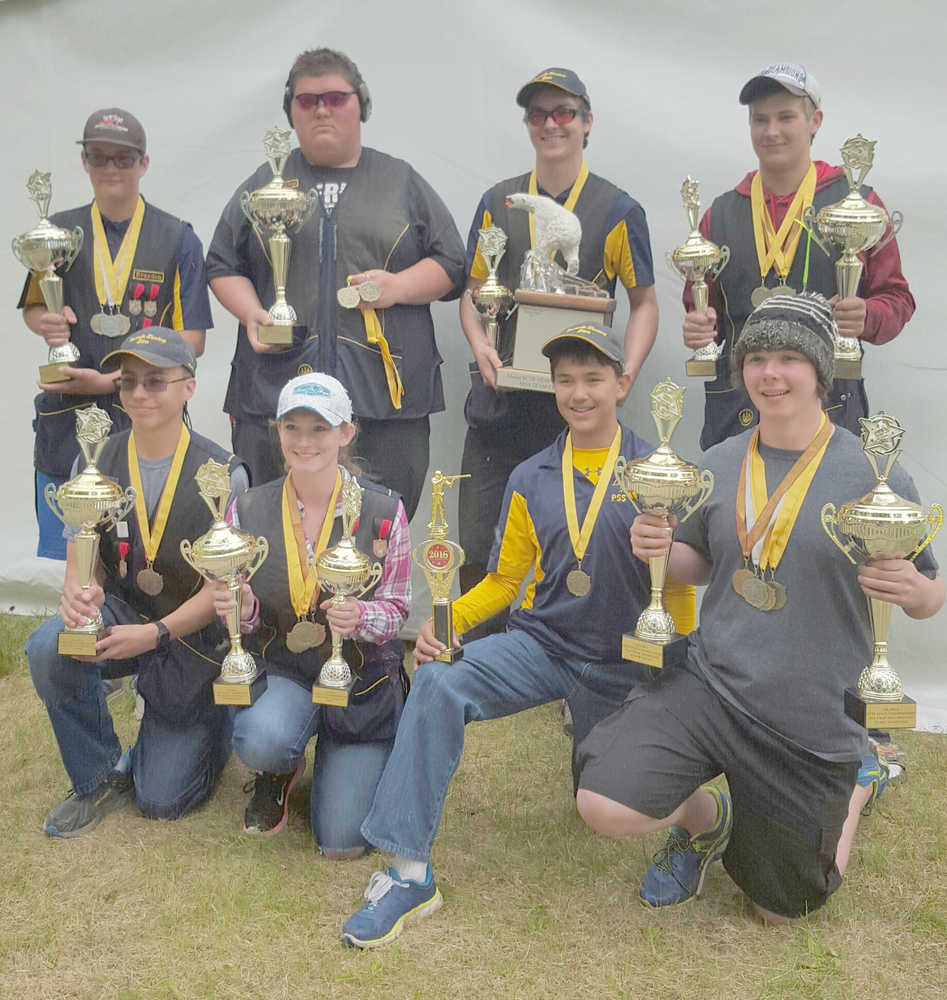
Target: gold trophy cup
{"x": 273, "y": 210}
{"x": 661, "y": 484}
{"x": 856, "y": 226}
{"x": 344, "y": 572}
{"x": 87, "y": 502}
{"x": 42, "y": 250}
{"x": 696, "y": 260}
{"x": 439, "y": 559}
{"x": 881, "y": 525}
{"x": 492, "y": 300}
{"x": 225, "y": 553}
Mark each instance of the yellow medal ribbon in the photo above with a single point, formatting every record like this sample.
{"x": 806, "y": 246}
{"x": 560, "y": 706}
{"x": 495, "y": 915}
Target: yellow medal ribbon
{"x": 375, "y": 335}
{"x": 778, "y": 249}
{"x": 302, "y": 588}
{"x": 151, "y": 537}
{"x": 778, "y": 512}
{"x": 580, "y": 539}
{"x": 573, "y": 197}
{"x": 110, "y": 283}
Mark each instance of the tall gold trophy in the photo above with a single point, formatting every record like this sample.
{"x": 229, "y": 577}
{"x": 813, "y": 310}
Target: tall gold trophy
{"x": 273, "y": 210}
{"x": 43, "y": 249}
{"x": 661, "y": 484}
{"x": 439, "y": 559}
{"x": 856, "y": 226}
{"x": 88, "y": 501}
{"x": 225, "y": 553}
{"x": 344, "y": 572}
{"x": 881, "y": 525}
{"x": 493, "y": 300}
{"x": 696, "y": 260}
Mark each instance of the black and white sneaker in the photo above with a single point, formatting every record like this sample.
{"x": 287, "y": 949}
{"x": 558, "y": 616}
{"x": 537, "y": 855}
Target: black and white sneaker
{"x": 269, "y": 803}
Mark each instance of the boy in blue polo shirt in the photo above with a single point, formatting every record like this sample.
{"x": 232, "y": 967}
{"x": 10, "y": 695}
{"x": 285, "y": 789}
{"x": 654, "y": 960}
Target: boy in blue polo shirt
{"x": 564, "y": 521}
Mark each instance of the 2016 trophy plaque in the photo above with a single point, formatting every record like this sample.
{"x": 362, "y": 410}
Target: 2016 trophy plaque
{"x": 42, "y": 250}
{"x": 273, "y": 211}
{"x": 856, "y": 226}
{"x": 696, "y": 260}
{"x": 881, "y": 525}
{"x": 225, "y": 553}
{"x": 88, "y": 501}
{"x": 661, "y": 484}
{"x": 549, "y": 297}
{"x": 344, "y": 572}
{"x": 439, "y": 559}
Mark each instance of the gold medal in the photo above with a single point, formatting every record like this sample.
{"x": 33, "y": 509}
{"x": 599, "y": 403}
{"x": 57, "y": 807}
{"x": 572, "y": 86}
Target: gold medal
{"x": 740, "y": 577}
{"x": 380, "y": 547}
{"x": 368, "y": 291}
{"x": 150, "y": 581}
{"x": 305, "y": 634}
{"x": 761, "y": 294}
{"x": 779, "y": 595}
{"x": 578, "y": 583}
{"x": 758, "y": 593}
{"x": 348, "y": 297}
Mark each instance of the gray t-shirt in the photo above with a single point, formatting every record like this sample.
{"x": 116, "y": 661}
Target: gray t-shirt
{"x": 154, "y": 474}
{"x": 788, "y": 669}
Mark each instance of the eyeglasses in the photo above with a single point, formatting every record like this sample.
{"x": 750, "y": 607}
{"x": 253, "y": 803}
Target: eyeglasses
{"x": 332, "y": 99}
{"x": 151, "y": 383}
{"x": 561, "y": 116}
{"x": 124, "y": 161}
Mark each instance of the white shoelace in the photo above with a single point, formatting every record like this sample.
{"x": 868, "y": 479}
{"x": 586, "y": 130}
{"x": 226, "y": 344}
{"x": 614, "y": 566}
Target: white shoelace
{"x": 378, "y": 885}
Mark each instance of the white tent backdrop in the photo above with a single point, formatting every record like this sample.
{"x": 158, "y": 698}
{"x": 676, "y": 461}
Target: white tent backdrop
{"x": 206, "y": 80}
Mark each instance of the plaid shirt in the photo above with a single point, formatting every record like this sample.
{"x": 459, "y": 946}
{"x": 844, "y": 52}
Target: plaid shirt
{"x": 381, "y": 618}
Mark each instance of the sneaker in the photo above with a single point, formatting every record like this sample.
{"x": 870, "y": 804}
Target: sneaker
{"x": 676, "y": 874}
{"x": 74, "y": 816}
{"x": 391, "y": 904}
{"x": 890, "y": 754}
{"x": 269, "y": 804}
{"x": 872, "y": 771}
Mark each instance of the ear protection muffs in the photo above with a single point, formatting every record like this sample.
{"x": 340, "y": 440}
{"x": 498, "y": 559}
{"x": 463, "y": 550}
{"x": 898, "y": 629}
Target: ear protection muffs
{"x": 361, "y": 91}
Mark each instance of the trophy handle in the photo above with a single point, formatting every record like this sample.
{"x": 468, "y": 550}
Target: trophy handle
{"x": 78, "y": 239}
{"x": 829, "y": 521}
{"x": 186, "y": 555}
{"x": 672, "y": 267}
{"x": 714, "y": 272}
{"x": 808, "y": 220}
{"x": 50, "y": 493}
{"x": 375, "y": 576}
{"x": 895, "y": 221}
{"x": 121, "y": 509}
{"x": 706, "y": 482}
{"x": 312, "y": 202}
{"x": 619, "y": 479}
{"x": 262, "y": 551}
{"x": 935, "y": 520}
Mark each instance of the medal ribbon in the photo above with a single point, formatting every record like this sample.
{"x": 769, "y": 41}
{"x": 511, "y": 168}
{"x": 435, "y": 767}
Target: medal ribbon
{"x": 151, "y": 538}
{"x": 302, "y": 589}
{"x": 574, "y": 193}
{"x": 777, "y": 249}
{"x": 111, "y": 278}
{"x": 580, "y": 539}
{"x": 776, "y": 519}
{"x": 375, "y": 335}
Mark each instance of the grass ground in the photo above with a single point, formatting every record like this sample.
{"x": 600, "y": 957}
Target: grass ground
{"x": 535, "y": 906}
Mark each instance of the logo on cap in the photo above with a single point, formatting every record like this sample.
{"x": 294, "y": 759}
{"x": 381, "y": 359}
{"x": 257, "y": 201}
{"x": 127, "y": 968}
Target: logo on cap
{"x": 144, "y": 338}
{"x": 546, "y": 77}
{"x": 112, "y": 121}
{"x": 582, "y": 328}
{"x": 311, "y": 389}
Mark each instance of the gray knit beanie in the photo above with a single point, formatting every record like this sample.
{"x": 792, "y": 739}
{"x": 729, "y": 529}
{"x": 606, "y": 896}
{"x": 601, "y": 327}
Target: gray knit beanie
{"x": 803, "y": 323}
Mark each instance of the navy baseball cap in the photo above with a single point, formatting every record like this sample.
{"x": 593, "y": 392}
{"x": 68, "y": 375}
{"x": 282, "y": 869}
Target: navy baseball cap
{"x": 555, "y": 76}
{"x": 157, "y": 346}
{"x": 605, "y": 341}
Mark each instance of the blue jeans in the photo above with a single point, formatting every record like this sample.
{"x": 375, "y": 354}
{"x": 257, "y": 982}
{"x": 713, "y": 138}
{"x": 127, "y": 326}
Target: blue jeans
{"x": 498, "y": 675}
{"x": 175, "y": 769}
{"x": 51, "y": 544}
{"x": 272, "y": 735}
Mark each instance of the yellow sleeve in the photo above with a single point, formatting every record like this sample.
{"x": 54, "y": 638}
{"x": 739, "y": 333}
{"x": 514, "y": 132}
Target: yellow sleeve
{"x": 617, "y": 256}
{"x": 478, "y": 269}
{"x": 177, "y": 317}
{"x": 681, "y": 602}
{"x": 519, "y": 554}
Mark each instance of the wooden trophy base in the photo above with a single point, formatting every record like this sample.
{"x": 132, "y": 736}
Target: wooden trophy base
{"x": 228, "y": 693}
{"x": 51, "y": 372}
{"x": 539, "y": 316}
{"x": 654, "y": 654}
{"x": 450, "y": 655}
{"x": 848, "y": 368}
{"x": 880, "y": 714}
{"x": 78, "y": 643}
{"x": 277, "y": 334}
{"x": 322, "y": 695}
{"x": 700, "y": 368}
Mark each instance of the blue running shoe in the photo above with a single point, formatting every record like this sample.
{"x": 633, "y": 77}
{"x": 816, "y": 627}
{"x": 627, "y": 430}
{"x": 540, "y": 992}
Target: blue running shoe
{"x": 677, "y": 872}
{"x": 391, "y": 903}
{"x": 872, "y": 772}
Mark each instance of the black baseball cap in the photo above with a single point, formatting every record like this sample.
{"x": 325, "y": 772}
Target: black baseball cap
{"x": 605, "y": 341}
{"x": 157, "y": 346}
{"x": 555, "y": 76}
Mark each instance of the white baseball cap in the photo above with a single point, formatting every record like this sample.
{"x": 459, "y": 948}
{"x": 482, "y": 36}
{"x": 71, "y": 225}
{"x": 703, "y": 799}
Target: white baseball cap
{"x": 790, "y": 76}
{"x": 318, "y": 392}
